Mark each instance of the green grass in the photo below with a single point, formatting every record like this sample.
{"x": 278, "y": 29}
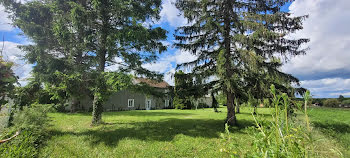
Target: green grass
{"x": 155, "y": 133}
{"x": 334, "y": 123}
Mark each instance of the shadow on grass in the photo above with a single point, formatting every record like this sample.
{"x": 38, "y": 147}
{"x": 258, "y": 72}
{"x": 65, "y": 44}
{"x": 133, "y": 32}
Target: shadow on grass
{"x": 337, "y": 127}
{"x": 136, "y": 113}
{"x": 163, "y": 130}
{"x": 259, "y": 114}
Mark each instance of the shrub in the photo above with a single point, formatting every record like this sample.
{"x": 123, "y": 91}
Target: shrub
{"x": 32, "y": 122}
{"x": 178, "y": 103}
{"x": 346, "y": 102}
{"x": 331, "y": 103}
{"x": 266, "y": 103}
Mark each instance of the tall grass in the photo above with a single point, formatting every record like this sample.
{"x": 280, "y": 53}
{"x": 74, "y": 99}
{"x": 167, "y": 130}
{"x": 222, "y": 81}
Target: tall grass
{"x": 283, "y": 136}
{"x": 32, "y": 123}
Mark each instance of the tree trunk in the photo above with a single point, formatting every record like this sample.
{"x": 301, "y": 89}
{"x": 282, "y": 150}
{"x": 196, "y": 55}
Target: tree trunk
{"x": 214, "y": 102}
{"x": 96, "y": 110}
{"x": 237, "y": 105}
{"x": 97, "y": 106}
{"x": 74, "y": 104}
{"x": 231, "y": 116}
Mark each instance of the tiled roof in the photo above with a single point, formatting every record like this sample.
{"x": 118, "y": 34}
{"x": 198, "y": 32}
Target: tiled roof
{"x": 152, "y": 83}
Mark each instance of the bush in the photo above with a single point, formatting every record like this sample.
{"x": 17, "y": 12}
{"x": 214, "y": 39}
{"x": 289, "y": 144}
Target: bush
{"x": 178, "y": 103}
{"x": 266, "y": 103}
{"x": 346, "y": 102}
{"x": 333, "y": 103}
{"x": 32, "y": 122}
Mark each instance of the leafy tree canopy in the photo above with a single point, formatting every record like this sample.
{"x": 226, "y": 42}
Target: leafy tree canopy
{"x": 7, "y": 81}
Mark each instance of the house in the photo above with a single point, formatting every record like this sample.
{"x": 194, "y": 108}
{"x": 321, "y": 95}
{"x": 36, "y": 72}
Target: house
{"x": 204, "y": 102}
{"x": 130, "y": 100}
{"x": 316, "y": 104}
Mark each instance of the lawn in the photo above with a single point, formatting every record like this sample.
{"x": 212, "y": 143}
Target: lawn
{"x": 155, "y": 133}
{"x": 334, "y": 123}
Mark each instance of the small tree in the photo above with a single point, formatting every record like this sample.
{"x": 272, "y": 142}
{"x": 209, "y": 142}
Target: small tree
{"x": 187, "y": 89}
{"x": 7, "y": 81}
{"x": 333, "y": 103}
{"x": 341, "y": 98}
{"x": 346, "y": 102}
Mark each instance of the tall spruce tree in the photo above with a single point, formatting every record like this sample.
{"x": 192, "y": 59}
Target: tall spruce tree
{"x": 79, "y": 38}
{"x": 233, "y": 39}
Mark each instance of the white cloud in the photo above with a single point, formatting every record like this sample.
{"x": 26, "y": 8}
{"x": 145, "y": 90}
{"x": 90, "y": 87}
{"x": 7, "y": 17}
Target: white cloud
{"x": 329, "y": 32}
{"x": 328, "y": 87}
{"x": 184, "y": 56}
{"x": 167, "y": 62}
{"x": 5, "y": 23}
{"x": 169, "y": 77}
{"x": 171, "y": 14}
{"x": 115, "y": 67}
{"x": 338, "y": 94}
{"x": 12, "y": 53}
{"x": 160, "y": 66}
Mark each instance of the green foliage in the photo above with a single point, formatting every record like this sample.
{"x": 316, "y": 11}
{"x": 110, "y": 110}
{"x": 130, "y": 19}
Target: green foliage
{"x": 117, "y": 81}
{"x": 346, "y": 102}
{"x": 266, "y": 102}
{"x": 317, "y": 100}
{"x": 32, "y": 93}
{"x": 178, "y": 103}
{"x": 21, "y": 146}
{"x": 341, "y": 98}
{"x": 7, "y": 81}
{"x": 73, "y": 42}
{"x": 242, "y": 44}
{"x": 332, "y": 103}
{"x": 203, "y": 105}
{"x": 221, "y": 98}
{"x": 32, "y": 122}
{"x": 187, "y": 90}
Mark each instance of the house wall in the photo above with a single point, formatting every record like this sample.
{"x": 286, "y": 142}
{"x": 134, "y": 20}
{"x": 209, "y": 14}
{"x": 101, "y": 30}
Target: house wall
{"x": 206, "y": 100}
{"x": 119, "y": 101}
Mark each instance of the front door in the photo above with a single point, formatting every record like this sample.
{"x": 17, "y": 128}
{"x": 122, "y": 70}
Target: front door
{"x": 148, "y": 104}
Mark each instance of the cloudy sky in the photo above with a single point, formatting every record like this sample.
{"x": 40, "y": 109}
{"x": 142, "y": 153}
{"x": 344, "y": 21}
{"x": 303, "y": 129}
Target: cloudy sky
{"x": 324, "y": 70}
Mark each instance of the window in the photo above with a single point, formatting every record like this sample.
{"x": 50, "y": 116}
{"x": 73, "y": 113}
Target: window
{"x": 131, "y": 102}
{"x": 166, "y": 103}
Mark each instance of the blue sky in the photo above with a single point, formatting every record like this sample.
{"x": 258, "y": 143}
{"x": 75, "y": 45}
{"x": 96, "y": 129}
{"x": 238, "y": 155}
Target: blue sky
{"x": 325, "y": 69}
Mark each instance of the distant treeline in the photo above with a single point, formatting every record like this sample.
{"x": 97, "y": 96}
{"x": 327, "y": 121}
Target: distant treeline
{"x": 341, "y": 101}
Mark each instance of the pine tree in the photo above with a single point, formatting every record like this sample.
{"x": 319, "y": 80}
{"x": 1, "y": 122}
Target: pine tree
{"x": 235, "y": 38}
